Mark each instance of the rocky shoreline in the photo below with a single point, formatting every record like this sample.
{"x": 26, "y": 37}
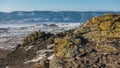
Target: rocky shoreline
{"x": 95, "y": 44}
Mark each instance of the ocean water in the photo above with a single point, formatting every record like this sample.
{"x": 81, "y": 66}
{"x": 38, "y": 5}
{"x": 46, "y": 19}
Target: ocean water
{"x": 16, "y": 25}
{"x": 32, "y": 24}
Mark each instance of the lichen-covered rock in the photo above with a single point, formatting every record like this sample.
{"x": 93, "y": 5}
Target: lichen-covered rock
{"x": 64, "y": 47}
{"x": 94, "y": 56}
{"x": 104, "y": 26}
{"x": 102, "y": 50}
{"x": 117, "y": 24}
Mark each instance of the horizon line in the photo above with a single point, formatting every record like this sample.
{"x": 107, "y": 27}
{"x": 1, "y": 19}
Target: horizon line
{"x": 62, "y": 11}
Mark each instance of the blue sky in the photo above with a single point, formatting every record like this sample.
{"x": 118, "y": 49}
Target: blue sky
{"x": 59, "y": 5}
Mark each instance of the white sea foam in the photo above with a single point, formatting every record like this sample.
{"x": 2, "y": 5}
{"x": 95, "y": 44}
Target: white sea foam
{"x": 16, "y": 32}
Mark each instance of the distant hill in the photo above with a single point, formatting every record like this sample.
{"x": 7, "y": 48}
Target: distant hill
{"x": 50, "y": 16}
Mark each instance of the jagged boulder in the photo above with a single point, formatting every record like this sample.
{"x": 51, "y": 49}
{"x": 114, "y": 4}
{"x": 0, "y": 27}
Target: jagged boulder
{"x": 101, "y": 27}
{"x": 101, "y": 50}
{"x": 64, "y": 47}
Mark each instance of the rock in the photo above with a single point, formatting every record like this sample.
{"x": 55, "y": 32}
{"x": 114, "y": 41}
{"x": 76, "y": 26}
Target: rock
{"x": 106, "y": 26}
{"x": 65, "y": 47}
{"x": 100, "y": 50}
{"x": 69, "y": 59}
{"x": 95, "y": 44}
{"x": 75, "y": 65}
{"x": 78, "y": 57}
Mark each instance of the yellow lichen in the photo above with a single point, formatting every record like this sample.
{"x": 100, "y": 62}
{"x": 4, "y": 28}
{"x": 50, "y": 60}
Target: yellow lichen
{"x": 109, "y": 48}
{"x": 106, "y": 48}
{"x": 105, "y": 25}
{"x": 106, "y": 17}
{"x": 64, "y": 45}
{"x": 117, "y": 29}
{"x": 117, "y": 24}
{"x": 95, "y": 20}
{"x": 61, "y": 45}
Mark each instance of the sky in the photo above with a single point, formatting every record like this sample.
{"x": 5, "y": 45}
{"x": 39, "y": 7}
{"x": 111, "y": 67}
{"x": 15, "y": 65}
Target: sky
{"x": 59, "y": 5}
